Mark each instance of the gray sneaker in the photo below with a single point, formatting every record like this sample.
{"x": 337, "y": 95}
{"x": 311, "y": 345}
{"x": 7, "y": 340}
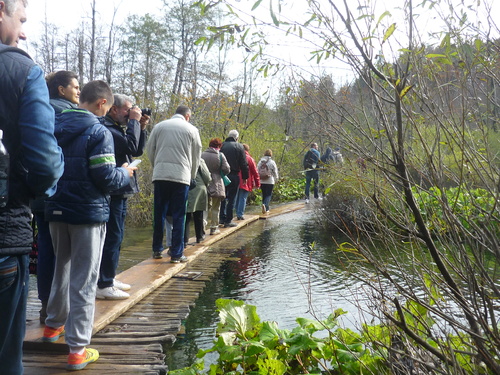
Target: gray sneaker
{"x": 156, "y": 254}
{"x": 182, "y": 259}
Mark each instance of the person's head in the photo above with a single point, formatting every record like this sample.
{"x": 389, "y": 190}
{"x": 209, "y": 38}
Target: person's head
{"x": 12, "y": 18}
{"x": 268, "y": 152}
{"x": 233, "y": 134}
{"x": 184, "y": 111}
{"x": 215, "y": 143}
{"x": 246, "y": 147}
{"x": 64, "y": 84}
{"x": 120, "y": 109}
{"x": 96, "y": 97}
{"x": 314, "y": 145}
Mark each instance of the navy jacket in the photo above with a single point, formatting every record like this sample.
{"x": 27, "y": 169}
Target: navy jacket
{"x": 90, "y": 171}
{"x": 36, "y": 162}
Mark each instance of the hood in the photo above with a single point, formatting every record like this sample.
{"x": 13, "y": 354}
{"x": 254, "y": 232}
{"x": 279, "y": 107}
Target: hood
{"x": 71, "y": 123}
{"x": 60, "y": 104}
{"x": 266, "y": 158}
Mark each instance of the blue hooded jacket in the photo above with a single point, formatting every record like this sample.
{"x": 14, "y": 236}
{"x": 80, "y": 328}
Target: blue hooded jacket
{"x": 90, "y": 171}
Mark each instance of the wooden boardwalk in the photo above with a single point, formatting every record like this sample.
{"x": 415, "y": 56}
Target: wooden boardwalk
{"x": 129, "y": 333}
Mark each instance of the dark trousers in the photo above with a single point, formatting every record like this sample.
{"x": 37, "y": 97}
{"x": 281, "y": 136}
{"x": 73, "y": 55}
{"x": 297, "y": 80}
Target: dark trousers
{"x": 198, "y": 225}
{"x": 115, "y": 229}
{"x": 227, "y": 205}
{"x": 46, "y": 258}
{"x": 169, "y": 196}
{"x": 267, "y": 193}
{"x": 14, "y": 281}
{"x": 312, "y": 175}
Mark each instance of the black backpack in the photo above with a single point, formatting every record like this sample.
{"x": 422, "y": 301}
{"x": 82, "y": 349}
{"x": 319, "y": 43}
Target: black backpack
{"x": 310, "y": 160}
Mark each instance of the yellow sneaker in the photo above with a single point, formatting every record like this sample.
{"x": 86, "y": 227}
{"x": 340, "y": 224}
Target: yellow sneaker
{"x": 79, "y": 361}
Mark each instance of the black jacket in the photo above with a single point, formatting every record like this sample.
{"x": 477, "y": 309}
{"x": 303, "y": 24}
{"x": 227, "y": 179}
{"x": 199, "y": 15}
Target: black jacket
{"x": 129, "y": 142}
{"x": 235, "y": 155}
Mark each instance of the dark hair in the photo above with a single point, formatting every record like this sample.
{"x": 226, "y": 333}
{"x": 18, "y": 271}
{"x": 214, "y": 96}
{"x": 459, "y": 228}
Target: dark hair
{"x": 182, "y": 110}
{"x": 215, "y": 143}
{"x": 61, "y": 78}
{"x": 268, "y": 152}
{"x": 95, "y": 90}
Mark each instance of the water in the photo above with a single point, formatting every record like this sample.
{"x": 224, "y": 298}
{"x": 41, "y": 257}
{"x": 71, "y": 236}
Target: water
{"x": 276, "y": 269}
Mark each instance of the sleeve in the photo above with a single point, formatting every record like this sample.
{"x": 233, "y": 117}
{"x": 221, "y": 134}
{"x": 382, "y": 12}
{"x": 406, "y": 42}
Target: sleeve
{"x": 142, "y": 143}
{"x": 195, "y": 153}
{"x": 226, "y": 168}
{"x": 205, "y": 173}
{"x": 243, "y": 163}
{"x": 151, "y": 147}
{"x": 129, "y": 142}
{"x": 253, "y": 172}
{"x": 275, "y": 171}
{"x": 41, "y": 155}
{"x": 103, "y": 171}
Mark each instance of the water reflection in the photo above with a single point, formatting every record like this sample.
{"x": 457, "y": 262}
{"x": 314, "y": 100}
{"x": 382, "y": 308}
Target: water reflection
{"x": 277, "y": 271}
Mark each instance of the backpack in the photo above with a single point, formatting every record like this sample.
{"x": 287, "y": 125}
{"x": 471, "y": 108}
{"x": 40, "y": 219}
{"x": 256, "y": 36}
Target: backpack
{"x": 310, "y": 160}
{"x": 264, "y": 171}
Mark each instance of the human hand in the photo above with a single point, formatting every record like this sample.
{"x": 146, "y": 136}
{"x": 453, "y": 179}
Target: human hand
{"x": 144, "y": 121}
{"x": 130, "y": 170}
{"x": 134, "y": 113}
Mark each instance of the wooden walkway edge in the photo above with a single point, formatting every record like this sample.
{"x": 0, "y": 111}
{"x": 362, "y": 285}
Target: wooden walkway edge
{"x": 146, "y": 278}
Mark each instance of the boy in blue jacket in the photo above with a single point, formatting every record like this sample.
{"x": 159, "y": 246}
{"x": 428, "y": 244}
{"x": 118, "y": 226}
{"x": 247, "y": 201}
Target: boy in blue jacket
{"x": 77, "y": 216}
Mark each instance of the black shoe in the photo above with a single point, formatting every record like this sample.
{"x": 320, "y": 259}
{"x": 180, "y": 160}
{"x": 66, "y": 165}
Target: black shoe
{"x": 241, "y": 218}
{"x": 230, "y": 225}
{"x": 198, "y": 240}
{"x": 157, "y": 255}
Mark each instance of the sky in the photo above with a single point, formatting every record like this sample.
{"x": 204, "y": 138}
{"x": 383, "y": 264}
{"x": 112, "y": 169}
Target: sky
{"x": 68, "y": 13}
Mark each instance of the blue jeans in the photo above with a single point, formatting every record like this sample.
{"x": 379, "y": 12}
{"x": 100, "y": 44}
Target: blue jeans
{"x": 115, "y": 229}
{"x": 267, "y": 193}
{"x": 241, "y": 202}
{"x": 46, "y": 258}
{"x": 312, "y": 175}
{"x": 169, "y": 196}
{"x": 227, "y": 205}
{"x": 14, "y": 280}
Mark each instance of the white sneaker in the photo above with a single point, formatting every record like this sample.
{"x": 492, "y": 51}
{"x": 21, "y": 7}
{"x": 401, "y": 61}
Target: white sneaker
{"x": 307, "y": 200}
{"x": 122, "y": 286}
{"x": 111, "y": 293}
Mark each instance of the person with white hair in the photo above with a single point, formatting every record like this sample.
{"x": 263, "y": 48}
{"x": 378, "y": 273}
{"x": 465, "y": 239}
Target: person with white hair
{"x": 236, "y": 157}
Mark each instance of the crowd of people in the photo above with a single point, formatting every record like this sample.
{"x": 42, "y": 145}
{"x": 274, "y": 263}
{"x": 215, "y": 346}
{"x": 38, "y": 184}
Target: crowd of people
{"x": 71, "y": 154}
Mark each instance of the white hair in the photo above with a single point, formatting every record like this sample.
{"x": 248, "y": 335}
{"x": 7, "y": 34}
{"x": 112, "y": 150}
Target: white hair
{"x": 233, "y": 134}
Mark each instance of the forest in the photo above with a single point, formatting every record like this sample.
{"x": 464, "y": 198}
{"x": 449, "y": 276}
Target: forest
{"x": 417, "y": 123}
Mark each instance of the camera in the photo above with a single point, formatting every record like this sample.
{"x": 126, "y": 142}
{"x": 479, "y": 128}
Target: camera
{"x": 146, "y": 111}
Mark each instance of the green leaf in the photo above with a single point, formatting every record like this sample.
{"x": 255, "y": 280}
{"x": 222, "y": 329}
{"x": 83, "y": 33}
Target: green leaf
{"x": 257, "y": 3}
{"x": 273, "y": 16}
{"x": 236, "y": 316}
{"x": 389, "y": 32}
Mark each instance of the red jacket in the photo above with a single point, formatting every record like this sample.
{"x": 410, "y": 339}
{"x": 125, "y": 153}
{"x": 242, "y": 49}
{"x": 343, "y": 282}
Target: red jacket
{"x": 253, "y": 179}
